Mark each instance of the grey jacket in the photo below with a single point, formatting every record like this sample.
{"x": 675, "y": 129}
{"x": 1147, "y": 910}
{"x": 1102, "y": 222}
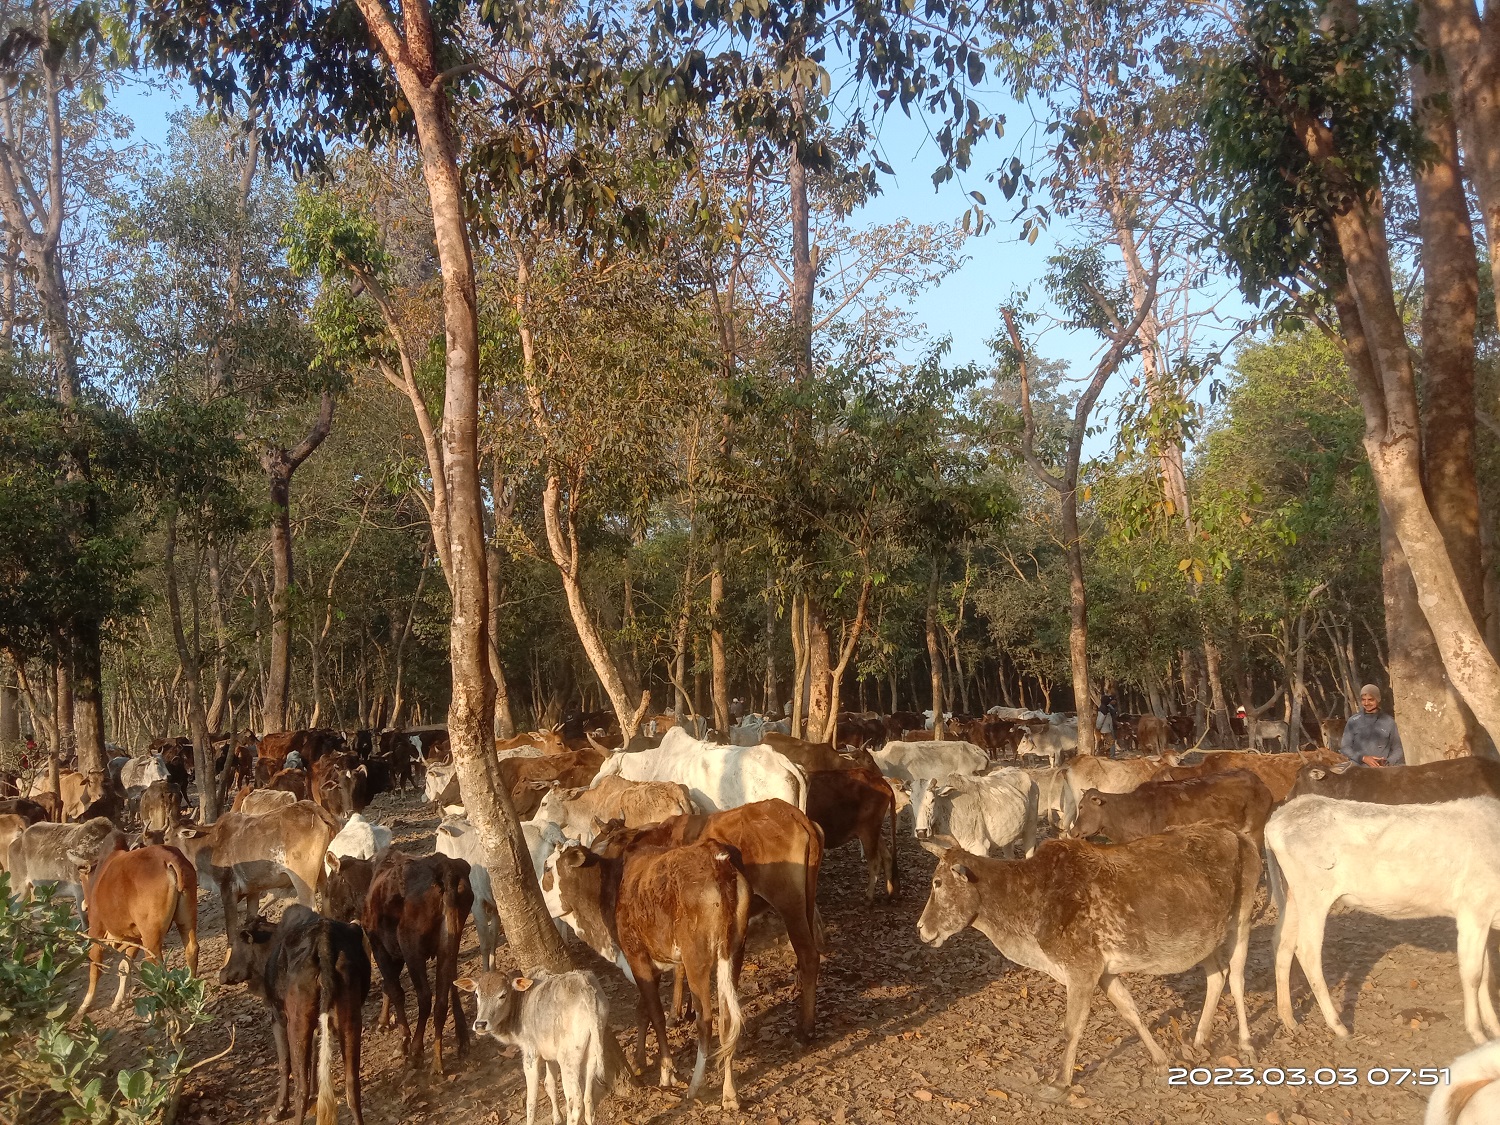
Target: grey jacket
{"x": 1372, "y": 736}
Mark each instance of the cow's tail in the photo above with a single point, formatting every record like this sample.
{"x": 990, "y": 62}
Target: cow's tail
{"x": 328, "y": 1102}
{"x": 727, "y": 971}
{"x": 453, "y": 919}
{"x": 895, "y": 879}
{"x": 812, "y": 864}
{"x": 801, "y": 778}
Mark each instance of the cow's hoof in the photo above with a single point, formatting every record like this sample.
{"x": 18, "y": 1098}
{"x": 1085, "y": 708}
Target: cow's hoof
{"x": 1051, "y": 1093}
{"x": 1247, "y": 1054}
{"x": 731, "y": 1105}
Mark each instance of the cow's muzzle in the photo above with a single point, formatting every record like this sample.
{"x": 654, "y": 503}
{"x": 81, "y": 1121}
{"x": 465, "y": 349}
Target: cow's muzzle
{"x": 481, "y": 1027}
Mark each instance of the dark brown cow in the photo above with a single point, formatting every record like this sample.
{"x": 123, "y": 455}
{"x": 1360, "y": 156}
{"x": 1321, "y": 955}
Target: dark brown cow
{"x": 1086, "y": 913}
{"x": 133, "y": 899}
{"x": 348, "y": 886}
{"x": 292, "y": 781}
{"x": 309, "y": 744}
{"x": 29, "y": 809}
{"x": 856, "y": 805}
{"x": 1235, "y": 798}
{"x": 1277, "y": 771}
{"x": 659, "y": 906}
{"x": 819, "y": 755}
{"x": 311, "y": 971}
{"x": 331, "y": 783}
{"x": 415, "y": 913}
{"x": 529, "y": 778}
{"x": 1182, "y": 728}
{"x": 860, "y": 731}
{"x": 1429, "y": 784}
{"x": 780, "y": 852}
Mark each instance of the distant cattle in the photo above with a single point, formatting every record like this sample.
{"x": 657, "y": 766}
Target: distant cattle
{"x": 314, "y": 974}
{"x": 982, "y": 815}
{"x": 1052, "y": 741}
{"x": 1431, "y": 783}
{"x": 1262, "y": 731}
{"x": 907, "y": 761}
{"x": 138, "y": 773}
{"x": 1234, "y": 798}
{"x": 415, "y": 913}
{"x": 309, "y": 745}
{"x": 160, "y": 808}
{"x": 560, "y": 1022}
{"x": 658, "y": 906}
{"x": 716, "y": 777}
{"x": 1331, "y": 731}
{"x": 1394, "y": 861}
{"x": 866, "y": 731}
{"x": 133, "y": 899}
{"x": 1151, "y": 735}
{"x": 1085, "y": 914}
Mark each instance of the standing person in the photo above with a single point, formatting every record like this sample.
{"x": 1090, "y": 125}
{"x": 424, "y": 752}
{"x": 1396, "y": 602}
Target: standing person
{"x": 1104, "y": 721}
{"x": 1370, "y": 737}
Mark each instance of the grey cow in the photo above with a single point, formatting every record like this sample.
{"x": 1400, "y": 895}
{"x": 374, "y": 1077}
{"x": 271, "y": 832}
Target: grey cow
{"x": 559, "y": 1021}
{"x": 50, "y": 853}
{"x": 982, "y": 815}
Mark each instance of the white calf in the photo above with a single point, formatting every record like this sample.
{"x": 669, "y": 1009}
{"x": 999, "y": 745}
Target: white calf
{"x": 360, "y": 838}
{"x": 907, "y": 761}
{"x": 1395, "y": 861}
{"x": 982, "y": 815}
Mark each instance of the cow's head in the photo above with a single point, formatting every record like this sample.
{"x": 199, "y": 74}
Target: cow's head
{"x": 573, "y": 883}
{"x": 347, "y": 886}
{"x": 953, "y": 901}
{"x": 1089, "y": 820}
{"x": 499, "y": 1000}
{"x": 248, "y": 953}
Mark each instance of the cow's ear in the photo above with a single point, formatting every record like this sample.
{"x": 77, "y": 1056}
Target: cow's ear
{"x": 331, "y": 783}
{"x": 962, "y": 871}
{"x": 361, "y": 770}
{"x": 574, "y": 857}
{"x": 465, "y": 984}
{"x": 333, "y": 863}
{"x": 521, "y": 984}
{"x": 1317, "y": 774}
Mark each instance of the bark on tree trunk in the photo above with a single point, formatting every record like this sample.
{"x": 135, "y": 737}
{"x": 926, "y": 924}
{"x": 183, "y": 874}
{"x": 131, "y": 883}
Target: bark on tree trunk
{"x": 719, "y": 664}
{"x": 799, "y": 664}
{"x": 505, "y": 723}
{"x": 279, "y": 465}
{"x": 518, "y": 899}
{"x": 1078, "y": 625}
{"x": 934, "y": 652}
{"x": 846, "y": 653}
{"x": 773, "y": 704}
{"x": 820, "y": 687}
{"x": 190, "y": 666}
{"x": 62, "y": 701}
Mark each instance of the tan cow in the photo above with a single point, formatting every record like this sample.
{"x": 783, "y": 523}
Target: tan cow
{"x": 1277, "y": 771}
{"x": 258, "y": 802}
{"x": 581, "y": 813}
{"x": 246, "y": 856}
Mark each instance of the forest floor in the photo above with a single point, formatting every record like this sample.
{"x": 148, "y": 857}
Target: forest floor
{"x": 907, "y": 1033}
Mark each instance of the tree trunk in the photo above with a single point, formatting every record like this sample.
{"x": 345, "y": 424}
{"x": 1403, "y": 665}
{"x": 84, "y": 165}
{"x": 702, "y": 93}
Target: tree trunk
{"x": 773, "y": 704}
{"x": 88, "y": 697}
{"x": 518, "y": 899}
{"x": 720, "y": 665}
{"x": 62, "y": 702}
{"x": 846, "y": 653}
{"x": 190, "y": 665}
{"x": 819, "y": 674}
{"x": 1212, "y": 659}
{"x": 505, "y": 722}
{"x": 1078, "y": 624}
{"x": 934, "y": 652}
{"x": 279, "y": 465}
{"x": 799, "y": 664}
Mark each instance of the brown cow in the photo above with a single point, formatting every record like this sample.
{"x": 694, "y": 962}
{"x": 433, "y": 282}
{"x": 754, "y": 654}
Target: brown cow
{"x": 312, "y": 972}
{"x": 258, "y": 802}
{"x": 1428, "y": 784}
{"x": 659, "y": 906}
{"x": 859, "y": 731}
{"x": 780, "y": 854}
{"x": 160, "y": 808}
{"x": 856, "y": 804}
{"x": 1235, "y": 798}
{"x": 133, "y": 899}
{"x": 1151, "y": 735}
{"x": 819, "y": 755}
{"x": 1086, "y": 913}
{"x": 580, "y": 813}
{"x": 1332, "y": 732}
{"x": 331, "y": 783}
{"x": 897, "y": 722}
{"x": 1278, "y": 771}
{"x": 293, "y": 781}
{"x": 348, "y": 886}
{"x": 415, "y": 913}
{"x": 309, "y": 744}
{"x": 571, "y": 769}
{"x": 245, "y": 856}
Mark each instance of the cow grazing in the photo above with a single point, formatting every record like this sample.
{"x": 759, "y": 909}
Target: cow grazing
{"x": 160, "y": 808}
{"x": 560, "y": 1021}
{"x": 635, "y": 804}
{"x": 687, "y": 905}
{"x": 44, "y": 852}
{"x": 1086, "y": 913}
{"x": 1394, "y": 861}
{"x": 981, "y": 815}
{"x": 360, "y": 838}
{"x": 415, "y": 913}
{"x": 1427, "y": 784}
{"x": 245, "y": 856}
{"x": 258, "y": 802}
{"x": 1234, "y": 798}
{"x": 779, "y": 852}
{"x": 857, "y": 804}
{"x": 907, "y": 761}
{"x": 133, "y": 899}
{"x": 313, "y": 973}
{"x": 1277, "y": 771}
{"x": 716, "y": 777}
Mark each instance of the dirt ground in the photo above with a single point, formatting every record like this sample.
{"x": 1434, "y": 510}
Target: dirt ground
{"x": 913, "y": 1034}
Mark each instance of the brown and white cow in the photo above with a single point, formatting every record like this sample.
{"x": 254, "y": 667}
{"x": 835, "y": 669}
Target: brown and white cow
{"x": 1086, "y": 913}
{"x": 1237, "y": 799}
{"x": 133, "y": 899}
{"x": 414, "y": 913}
{"x": 1277, "y": 771}
{"x": 654, "y": 907}
{"x": 246, "y": 856}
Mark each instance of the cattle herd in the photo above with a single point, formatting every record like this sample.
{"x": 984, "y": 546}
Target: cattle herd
{"x": 655, "y": 855}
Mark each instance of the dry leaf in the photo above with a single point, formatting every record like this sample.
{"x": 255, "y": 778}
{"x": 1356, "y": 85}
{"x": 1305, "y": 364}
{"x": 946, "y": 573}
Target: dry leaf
{"x": 922, "y": 1095}
{"x": 1001, "y": 1094}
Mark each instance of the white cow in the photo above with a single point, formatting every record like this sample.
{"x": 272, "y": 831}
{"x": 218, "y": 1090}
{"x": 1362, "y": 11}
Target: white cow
{"x": 458, "y": 838}
{"x": 1055, "y": 796}
{"x": 717, "y": 777}
{"x": 1471, "y": 1096}
{"x": 907, "y": 761}
{"x": 1394, "y": 861}
{"x": 359, "y": 838}
{"x": 138, "y": 773}
{"x": 1051, "y": 742}
{"x": 1262, "y": 731}
{"x": 982, "y": 815}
